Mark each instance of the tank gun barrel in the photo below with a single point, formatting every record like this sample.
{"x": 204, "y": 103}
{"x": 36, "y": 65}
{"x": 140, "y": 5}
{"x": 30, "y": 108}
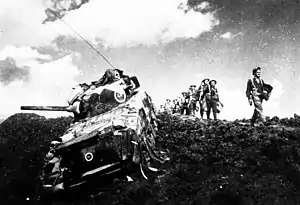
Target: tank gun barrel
{"x": 47, "y": 108}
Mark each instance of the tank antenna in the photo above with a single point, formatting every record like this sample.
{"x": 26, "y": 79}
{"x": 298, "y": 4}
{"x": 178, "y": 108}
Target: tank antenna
{"x": 99, "y": 54}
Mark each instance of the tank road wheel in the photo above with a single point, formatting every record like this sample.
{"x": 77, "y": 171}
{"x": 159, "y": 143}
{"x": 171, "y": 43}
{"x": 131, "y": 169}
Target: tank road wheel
{"x": 42, "y": 193}
{"x": 151, "y": 136}
{"x": 144, "y": 154}
{"x": 151, "y": 145}
{"x": 51, "y": 176}
{"x": 132, "y": 152}
{"x": 147, "y": 155}
{"x": 39, "y": 192}
{"x": 145, "y": 163}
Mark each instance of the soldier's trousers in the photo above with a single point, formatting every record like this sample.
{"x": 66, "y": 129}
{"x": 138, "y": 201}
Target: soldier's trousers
{"x": 258, "y": 110}
{"x": 193, "y": 107}
{"x": 186, "y": 109}
{"x": 176, "y": 109}
{"x": 211, "y": 106}
{"x": 203, "y": 107}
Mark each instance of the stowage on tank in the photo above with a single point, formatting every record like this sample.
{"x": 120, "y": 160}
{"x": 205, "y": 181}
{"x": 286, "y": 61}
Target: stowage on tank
{"x": 114, "y": 125}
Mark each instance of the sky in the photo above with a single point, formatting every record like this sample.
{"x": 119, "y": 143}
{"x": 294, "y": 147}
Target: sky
{"x": 169, "y": 45}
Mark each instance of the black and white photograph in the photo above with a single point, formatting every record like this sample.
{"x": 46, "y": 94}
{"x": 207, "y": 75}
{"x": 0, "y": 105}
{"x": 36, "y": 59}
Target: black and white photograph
{"x": 144, "y": 102}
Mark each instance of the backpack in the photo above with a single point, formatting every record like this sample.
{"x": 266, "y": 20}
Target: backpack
{"x": 266, "y": 87}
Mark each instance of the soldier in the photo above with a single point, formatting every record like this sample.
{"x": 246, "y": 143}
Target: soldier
{"x": 193, "y": 95}
{"x": 255, "y": 93}
{"x": 203, "y": 90}
{"x": 178, "y": 105}
{"x": 161, "y": 109}
{"x": 184, "y": 104}
{"x": 213, "y": 99}
{"x": 175, "y": 105}
{"x": 168, "y": 106}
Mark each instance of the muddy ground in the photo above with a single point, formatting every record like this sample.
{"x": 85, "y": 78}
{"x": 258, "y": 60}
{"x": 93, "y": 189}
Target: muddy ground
{"x": 215, "y": 162}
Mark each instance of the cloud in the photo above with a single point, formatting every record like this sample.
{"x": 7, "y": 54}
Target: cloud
{"x": 138, "y": 22}
{"x": 61, "y": 8}
{"x": 23, "y": 55}
{"x": 9, "y": 72}
{"x": 111, "y": 22}
{"x": 236, "y": 104}
{"x": 20, "y": 22}
{"x": 49, "y": 84}
{"x": 271, "y": 107}
{"x": 297, "y": 111}
{"x": 228, "y": 35}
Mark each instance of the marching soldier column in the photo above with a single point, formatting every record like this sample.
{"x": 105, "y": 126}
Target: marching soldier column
{"x": 206, "y": 99}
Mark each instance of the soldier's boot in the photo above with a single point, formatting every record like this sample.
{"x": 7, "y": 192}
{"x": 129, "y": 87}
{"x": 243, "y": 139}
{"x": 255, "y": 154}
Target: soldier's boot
{"x": 188, "y": 111}
{"x": 253, "y": 119}
{"x": 215, "y": 115}
{"x": 207, "y": 115}
{"x": 192, "y": 112}
{"x": 201, "y": 114}
{"x": 181, "y": 111}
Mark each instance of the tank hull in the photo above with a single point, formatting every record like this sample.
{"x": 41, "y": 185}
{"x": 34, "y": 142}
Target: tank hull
{"x": 102, "y": 145}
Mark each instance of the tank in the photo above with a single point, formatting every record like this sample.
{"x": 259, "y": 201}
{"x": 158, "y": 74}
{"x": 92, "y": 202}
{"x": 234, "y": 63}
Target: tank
{"x": 47, "y": 108}
{"x": 115, "y": 131}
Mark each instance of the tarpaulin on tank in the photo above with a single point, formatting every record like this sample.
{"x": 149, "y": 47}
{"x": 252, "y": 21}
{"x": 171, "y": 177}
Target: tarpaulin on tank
{"x": 110, "y": 76}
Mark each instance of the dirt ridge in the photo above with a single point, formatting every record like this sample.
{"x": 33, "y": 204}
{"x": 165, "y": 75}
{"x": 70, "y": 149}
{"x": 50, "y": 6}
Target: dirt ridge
{"x": 217, "y": 162}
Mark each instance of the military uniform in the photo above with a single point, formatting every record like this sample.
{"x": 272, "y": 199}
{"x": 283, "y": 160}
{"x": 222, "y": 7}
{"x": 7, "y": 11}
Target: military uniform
{"x": 175, "y": 106}
{"x": 255, "y": 94}
{"x": 213, "y": 99}
{"x": 168, "y": 106}
{"x": 203, "y": 91}
{"x": 185, "y": 104}
{"x": 161, "y": 109}
{"x": 193, "y": 94}
{"x": 178, "y": 107}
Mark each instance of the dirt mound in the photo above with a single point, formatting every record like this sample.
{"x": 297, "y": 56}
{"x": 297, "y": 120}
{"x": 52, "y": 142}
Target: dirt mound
{"x": 24, "y": 139}
{"x": 229, "y": 161}
{"x": 216, "y": 162}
